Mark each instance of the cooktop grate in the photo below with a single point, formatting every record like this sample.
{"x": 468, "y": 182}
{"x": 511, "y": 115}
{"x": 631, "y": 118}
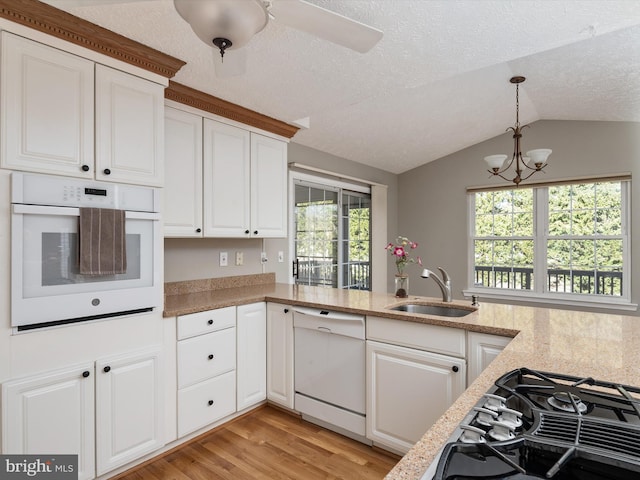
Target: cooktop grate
{"x": 583, "y": 432}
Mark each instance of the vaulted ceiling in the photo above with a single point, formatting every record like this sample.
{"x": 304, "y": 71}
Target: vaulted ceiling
{"x": 436, "y": 83}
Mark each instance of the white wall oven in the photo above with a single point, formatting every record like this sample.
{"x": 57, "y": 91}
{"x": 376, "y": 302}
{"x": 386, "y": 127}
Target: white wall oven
{"x": 47, "y": 287}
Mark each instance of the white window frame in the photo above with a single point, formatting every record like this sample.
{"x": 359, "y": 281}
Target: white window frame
{"x": 539, "y": 294}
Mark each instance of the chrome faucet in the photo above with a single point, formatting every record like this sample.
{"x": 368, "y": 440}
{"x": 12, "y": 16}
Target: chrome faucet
{"x": 444, "y": 284}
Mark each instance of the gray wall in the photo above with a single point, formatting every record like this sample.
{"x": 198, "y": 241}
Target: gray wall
{"x": 190, "y": 259}
{"x": 433, "y": 197}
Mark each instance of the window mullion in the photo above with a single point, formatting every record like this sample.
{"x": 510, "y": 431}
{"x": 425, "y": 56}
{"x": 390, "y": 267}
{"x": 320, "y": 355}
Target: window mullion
{"x": 626, "y": 237}
{"x": 540, "y": 236}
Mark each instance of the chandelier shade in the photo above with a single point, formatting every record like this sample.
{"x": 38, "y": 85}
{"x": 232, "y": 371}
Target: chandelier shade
{"x": 525, "y": 165}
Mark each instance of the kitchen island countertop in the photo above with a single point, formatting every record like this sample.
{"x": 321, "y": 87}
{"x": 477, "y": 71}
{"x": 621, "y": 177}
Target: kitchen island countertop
{"x": 603, "y": 346}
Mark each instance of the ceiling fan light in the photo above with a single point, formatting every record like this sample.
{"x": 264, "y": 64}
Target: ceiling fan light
{"x": 539, "y": 156}
{"x": 495, "y": 161}
{"x": 235, "y": 20}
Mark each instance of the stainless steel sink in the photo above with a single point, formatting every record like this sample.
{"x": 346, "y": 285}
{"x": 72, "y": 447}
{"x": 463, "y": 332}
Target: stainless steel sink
{"x": 433, "y": 310}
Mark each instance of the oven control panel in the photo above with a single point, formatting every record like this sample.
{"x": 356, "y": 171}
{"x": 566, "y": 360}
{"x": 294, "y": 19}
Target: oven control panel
{"x": 35, "y": 189}
{"x": 88, "y": 196}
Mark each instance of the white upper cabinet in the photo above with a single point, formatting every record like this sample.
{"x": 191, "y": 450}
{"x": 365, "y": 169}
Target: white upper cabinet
{"x": 183, "y": 169}
{"x": 65, "y": 115}
{"x": 222, "y": 180}
{"x": 47, "y": 109}
{"x": 227, "y": 180}
{"x": 268, "y": 187}
{"x": 129, "y": 128}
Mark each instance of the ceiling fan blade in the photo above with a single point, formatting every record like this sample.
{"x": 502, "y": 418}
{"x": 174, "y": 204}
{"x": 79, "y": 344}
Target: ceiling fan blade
{"x": 325, "y": 24}
{"x": 233, "y": 64}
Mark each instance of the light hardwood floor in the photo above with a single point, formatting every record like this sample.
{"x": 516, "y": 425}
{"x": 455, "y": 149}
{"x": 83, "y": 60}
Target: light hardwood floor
{"x": 268, "y": 444}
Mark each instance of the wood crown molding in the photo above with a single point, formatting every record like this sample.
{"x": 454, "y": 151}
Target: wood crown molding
{"x": 58, "y": 23}
{"x": 203, "y": 101}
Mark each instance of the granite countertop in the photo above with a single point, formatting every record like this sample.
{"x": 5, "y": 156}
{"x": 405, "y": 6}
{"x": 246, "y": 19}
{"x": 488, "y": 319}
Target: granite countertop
{"x": 602, "y": 346}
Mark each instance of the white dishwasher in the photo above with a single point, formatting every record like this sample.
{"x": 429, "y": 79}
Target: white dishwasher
{"x": 330, "y": 369}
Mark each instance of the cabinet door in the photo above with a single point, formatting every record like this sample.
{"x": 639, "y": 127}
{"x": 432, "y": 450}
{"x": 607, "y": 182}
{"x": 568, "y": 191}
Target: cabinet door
{"x": 280, "y": 388}
{"x": 47, "y": 109}
{"x": 226, "y": 164}
{"x": 52, "y": 413}
{"x": 483, "y": 349}
{"x": 251, "y": 367}
{"x": 268, "y": 187}
{"x": 408, "y": 390}
{"x": 183, "y": 168}
{"x": 129, "y": 128}
{"x": 129, "y": 408}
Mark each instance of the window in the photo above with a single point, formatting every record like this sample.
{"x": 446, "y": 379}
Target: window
{"x": 332, "y": 236}
{"x": 559, "y": 241}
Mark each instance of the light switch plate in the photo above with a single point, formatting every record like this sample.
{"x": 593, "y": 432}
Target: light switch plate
{"x": 280, "y": 257}
{"x": 224, "y": 259}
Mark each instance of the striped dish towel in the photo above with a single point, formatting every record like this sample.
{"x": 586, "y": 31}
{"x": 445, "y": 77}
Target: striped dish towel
{"x": 102, "y": 241}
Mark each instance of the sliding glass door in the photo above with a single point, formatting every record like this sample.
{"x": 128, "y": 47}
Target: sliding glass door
{"x": 332, "y": 236}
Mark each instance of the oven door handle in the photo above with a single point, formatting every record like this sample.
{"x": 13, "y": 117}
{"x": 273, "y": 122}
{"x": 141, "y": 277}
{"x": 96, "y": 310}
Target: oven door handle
{"x": 74, "y": 212}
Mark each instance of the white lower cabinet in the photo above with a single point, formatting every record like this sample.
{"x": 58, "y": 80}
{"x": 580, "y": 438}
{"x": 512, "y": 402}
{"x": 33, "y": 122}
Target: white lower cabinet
{"x": 408, "y": 390}
{"x": 251, "y": 354}
{"x": 483, "y": 349}
{"x": 205, "y": 402}
{"x": 56, "y": 412}
{"x": 52, "y": 413}
{"x": 414, "y": 374}
{"x": 206, "y": 365}
{"x": 129, "y": 408}
{"x": 280, "y": 387}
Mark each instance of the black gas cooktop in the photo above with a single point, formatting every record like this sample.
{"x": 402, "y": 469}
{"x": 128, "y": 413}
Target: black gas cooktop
{"x": 535, "y": 425}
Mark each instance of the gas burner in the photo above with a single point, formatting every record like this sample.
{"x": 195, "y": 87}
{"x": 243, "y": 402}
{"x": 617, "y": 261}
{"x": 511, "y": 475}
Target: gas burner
{"x": 562, "y": 401}
{"x": 539, "y": 425}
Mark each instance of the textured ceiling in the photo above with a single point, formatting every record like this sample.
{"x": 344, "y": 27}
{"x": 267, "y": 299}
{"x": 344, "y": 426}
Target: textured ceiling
{"x": 436, "y": 83}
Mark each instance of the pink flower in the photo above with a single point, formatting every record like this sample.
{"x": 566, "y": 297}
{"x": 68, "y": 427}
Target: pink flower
{"x": 401, "y": 253}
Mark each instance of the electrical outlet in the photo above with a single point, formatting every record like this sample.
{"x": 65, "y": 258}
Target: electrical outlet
{"x": 239, "y": 258}
{"x": 263, "y": 257}
{"x": 280, "y": 257}
{"x": 223, "y": 259}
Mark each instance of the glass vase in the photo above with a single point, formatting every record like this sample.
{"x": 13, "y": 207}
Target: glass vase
{"x": 402, "y": 286}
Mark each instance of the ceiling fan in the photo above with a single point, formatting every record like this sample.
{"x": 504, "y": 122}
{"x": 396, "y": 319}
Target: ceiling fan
{"x": 230, "y": 24}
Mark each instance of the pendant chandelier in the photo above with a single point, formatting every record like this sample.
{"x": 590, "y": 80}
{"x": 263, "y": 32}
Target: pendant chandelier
{"x": 533, "y": 161}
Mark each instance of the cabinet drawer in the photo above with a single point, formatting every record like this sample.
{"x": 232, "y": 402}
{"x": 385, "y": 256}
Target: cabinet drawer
{"x": 433, "y": 338}
{"x": 206, "y": 356}
{"x": 206, "y": 322}
{"x": 206, "y": 402}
